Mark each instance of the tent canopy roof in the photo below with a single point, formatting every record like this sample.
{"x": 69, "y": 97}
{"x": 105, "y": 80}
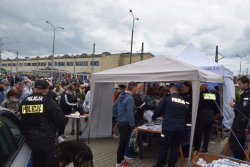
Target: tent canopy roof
{"x": 191, "y": 53}
{"x": 159, "y": 68}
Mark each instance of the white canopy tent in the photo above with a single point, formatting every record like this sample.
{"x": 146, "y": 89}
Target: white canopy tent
{"x": 193, "y": 56}
{"x": 152, "y": 70}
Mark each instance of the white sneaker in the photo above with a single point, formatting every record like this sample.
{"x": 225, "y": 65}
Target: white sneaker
{"x": 65, "y": 136}
{"x": 60, "y": 139}
{"x": 118, "y": 165}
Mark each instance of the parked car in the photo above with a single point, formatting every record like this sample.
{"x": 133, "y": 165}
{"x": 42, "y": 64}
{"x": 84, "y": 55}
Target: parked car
{"x": 14, "y": 152}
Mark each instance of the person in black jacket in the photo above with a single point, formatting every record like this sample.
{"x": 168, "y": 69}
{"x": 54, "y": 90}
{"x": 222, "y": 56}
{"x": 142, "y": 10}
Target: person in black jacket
{"x": 206, "y": 111}
{"x": 241, "y": 119}
{"x": 68, "y": 104}
{"x": 186, "y": 93}
{"x": 41, "y": 117}
{"x": 174, "y": 110}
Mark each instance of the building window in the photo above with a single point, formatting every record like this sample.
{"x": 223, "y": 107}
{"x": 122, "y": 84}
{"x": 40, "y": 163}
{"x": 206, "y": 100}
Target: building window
{"x": 49, "y": 63}
{"x": 82, "y": 63}
{"x": 94, "y": 63}
{"x": 20, "y": 64}
{"x": 9, "y": 64}
{"x": 43, "y": 64}
{"x": 34, "y": 64}
{"x": 85, "y": 63}
{"x": 4, "y": 64}
{"x": 14, "y": 64}
{"x": 61, "y": 63}
{"x": 70, "y": 63}
{"x": 28, "y": 64}
{"x": 79, "y": 63}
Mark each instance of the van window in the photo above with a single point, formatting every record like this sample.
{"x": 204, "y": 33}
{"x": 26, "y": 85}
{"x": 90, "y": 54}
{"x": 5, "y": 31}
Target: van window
{"x": 7, "y": 144}
{"x": 14, "y": 129}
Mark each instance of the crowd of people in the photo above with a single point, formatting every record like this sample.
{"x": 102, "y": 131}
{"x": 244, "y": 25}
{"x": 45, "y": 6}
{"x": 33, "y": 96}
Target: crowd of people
{"x": 173, "y": 102}
{"x": 41, "y": 106}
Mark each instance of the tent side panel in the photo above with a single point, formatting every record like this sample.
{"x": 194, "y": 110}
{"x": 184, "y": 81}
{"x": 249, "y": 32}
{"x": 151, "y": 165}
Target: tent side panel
{"x": 196, "y": 96}
{"x": 228, "y": 94}
{"x": 100, "y": 123}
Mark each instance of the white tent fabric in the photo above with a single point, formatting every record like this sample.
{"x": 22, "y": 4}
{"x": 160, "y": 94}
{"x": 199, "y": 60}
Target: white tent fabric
{"x": 193, "y": 56}
{"x": 155, "y": 69}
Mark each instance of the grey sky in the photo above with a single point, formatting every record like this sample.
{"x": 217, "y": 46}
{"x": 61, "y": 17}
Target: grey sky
{"x": 165, "y": 26}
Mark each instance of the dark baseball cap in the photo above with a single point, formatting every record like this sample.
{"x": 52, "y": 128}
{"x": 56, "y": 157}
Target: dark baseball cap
{"x": 41, "y": 84}
{"x": 177, "y": 86}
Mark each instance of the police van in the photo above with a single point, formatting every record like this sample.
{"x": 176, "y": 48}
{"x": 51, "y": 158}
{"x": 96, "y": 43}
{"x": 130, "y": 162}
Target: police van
{"x": 14, "y": 152}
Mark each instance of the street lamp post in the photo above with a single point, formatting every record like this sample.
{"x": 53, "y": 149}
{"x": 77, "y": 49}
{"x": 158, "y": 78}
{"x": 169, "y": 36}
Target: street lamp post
{"x": 132, "y": 36}
{"x": 240, "y": 61}
{"x": 53, "y": 48}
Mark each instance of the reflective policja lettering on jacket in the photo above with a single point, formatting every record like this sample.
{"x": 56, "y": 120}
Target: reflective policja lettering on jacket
{"x": 34, "y": 98}
{"x": 209, "y": 96}
{"x": 245, "y": 101}
{"x": 31, "y": 109}
{"x": 177, "y": 100}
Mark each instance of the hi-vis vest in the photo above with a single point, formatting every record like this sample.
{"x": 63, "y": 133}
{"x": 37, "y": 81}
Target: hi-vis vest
{"x": 32, "y": 111}
{"x": 209, "y": 96}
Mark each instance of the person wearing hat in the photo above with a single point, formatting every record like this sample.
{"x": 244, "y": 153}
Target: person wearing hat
{"x": 41, "y": 118}
{"x": 174, "y": 110}
{"x": 6, "y": 85}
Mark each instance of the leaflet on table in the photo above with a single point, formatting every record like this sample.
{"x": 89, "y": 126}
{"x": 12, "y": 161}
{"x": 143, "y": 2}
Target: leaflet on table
{"x": 75, "y": 114}
{"x": 221, "y": 163}
{"x": 152, "y": 127}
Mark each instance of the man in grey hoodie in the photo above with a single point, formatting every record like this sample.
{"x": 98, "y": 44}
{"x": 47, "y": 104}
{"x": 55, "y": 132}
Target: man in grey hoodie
{"x": 123, "y": 111}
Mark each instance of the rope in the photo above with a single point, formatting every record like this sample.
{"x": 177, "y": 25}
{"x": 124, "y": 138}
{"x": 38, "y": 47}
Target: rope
{"x": 225, "y": 101}
{"x": 231, "y": 129}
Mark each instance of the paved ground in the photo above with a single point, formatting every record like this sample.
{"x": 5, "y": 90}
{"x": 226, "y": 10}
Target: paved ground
{"x": 104, "y": 151}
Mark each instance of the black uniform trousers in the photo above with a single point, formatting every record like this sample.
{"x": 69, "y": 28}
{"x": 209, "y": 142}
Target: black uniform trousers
{"x": 173, "y": 140}
{"x": 236, "y": 146}
{"x": 43, "y": 154}
{"x": 124, "y": 132}
{"x": 205, "y": 128}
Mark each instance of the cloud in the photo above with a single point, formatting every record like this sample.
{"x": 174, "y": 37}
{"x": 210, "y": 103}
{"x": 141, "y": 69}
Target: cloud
{"x": 180, "y": 36}
{"x": 247, "y": 33}
{"x": 209, "y": 29}
{"x": 165, "y": 27}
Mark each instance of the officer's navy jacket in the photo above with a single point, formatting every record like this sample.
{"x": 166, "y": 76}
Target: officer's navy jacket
{"x": 242, "y": 111}
{"x": 174, "y": 111}
{"x": 41, "y": 117}
{"x": 207, "y": 106}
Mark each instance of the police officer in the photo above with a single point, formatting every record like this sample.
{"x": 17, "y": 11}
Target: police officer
{"x": 207, "y": 109}
{"x": 186, "y": 93}
{"x": 241, "y": 119}
{"x": 41, "y": 117}
{"x": 174, "y": 110}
